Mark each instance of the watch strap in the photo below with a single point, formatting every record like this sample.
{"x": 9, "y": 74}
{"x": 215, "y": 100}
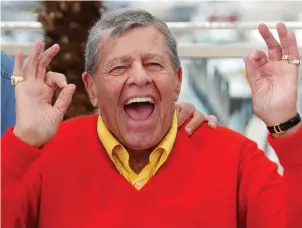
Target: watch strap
{"x": 279, "y": 128}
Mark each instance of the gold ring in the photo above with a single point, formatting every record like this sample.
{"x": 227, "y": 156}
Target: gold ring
{"x": 295, "y": 61}
{"x": 285, "y": 57}
{"x": 15, "y": 79}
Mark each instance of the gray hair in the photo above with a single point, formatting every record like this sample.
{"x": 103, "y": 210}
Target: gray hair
{"x": 118, "y": 22}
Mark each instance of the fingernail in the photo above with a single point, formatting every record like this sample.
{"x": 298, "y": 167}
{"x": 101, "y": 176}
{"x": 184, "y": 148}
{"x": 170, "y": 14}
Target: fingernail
{"x": 189, "y": 131}
{"x": 72, "y": 86}
{"x": 213, "y": 125}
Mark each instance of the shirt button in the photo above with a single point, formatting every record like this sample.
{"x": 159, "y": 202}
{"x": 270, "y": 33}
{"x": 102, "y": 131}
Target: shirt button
{"x": 139, "y": 183}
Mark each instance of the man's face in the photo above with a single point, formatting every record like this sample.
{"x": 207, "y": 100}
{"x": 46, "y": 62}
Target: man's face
{"x": 136, "y": 87}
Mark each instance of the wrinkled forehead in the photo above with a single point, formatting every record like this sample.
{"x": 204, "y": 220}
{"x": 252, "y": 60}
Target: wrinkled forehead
{"x": 144, "y": 42}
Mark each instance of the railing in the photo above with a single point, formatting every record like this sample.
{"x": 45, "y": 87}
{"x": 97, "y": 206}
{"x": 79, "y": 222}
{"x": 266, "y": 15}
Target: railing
{"x": 175, "y": 26}
{"x": 186, "y": 50}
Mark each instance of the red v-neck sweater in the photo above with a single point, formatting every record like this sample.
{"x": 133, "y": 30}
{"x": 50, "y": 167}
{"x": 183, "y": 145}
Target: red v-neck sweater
{"x": 213, "y": 179}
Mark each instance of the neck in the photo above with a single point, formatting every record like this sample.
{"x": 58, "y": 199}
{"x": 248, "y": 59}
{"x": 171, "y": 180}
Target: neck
{"x": 138, "y": 159}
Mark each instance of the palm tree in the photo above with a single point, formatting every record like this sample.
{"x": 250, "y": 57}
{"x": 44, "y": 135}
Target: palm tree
{"x": 67, "y": 23}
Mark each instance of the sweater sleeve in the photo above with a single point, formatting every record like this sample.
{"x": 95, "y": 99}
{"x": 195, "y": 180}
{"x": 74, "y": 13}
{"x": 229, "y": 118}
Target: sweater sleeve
{"x": 266, "y": 198}
{"x": 21, "y": 182}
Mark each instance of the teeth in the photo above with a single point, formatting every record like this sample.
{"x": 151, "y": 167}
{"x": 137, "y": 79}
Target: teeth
{"x": 140, "y": 99}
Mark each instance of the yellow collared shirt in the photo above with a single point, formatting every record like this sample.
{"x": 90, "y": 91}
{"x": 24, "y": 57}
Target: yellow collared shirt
{"x": 120, "y": 157}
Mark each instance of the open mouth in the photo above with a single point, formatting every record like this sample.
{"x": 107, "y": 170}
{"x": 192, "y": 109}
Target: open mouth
{"x": 139, "y": 108}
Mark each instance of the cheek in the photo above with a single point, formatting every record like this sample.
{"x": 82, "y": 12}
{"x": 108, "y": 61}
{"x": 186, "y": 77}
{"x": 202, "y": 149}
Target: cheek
{"x": 109, "y": 91}
{"x": 167, "y": 87}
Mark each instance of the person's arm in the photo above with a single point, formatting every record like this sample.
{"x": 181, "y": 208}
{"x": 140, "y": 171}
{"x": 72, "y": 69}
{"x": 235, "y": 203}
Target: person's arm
{"x": 8, "y": 115}
{"x": 270, "y": 200}
{"x": 267, "y": 199}
{"x": 37, "y": 122}
{"x": 21, "y": 182}
{"x": 187, "y": 112}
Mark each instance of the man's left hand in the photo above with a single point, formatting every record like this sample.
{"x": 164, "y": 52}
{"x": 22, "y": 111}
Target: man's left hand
{"x": 273, "y": 78}
{"x": 185, "y": 111}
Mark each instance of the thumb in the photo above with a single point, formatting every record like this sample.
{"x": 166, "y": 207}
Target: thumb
{"x": 64, "y": 99}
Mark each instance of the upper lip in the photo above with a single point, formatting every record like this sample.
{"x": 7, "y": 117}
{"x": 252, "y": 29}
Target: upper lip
{"x": 139, "y": 96}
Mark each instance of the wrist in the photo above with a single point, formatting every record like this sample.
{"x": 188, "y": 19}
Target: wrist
{"x": 286, "y": 127}
{"x": 280, "y": 117}
{"x": 26, "y": 136}
{"x": 287, "y": 132}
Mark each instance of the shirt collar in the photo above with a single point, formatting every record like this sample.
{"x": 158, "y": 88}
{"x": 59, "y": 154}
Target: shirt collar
{"x": 109, "y": 141}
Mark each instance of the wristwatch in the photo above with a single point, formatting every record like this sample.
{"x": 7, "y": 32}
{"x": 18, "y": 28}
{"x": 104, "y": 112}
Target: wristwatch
{"x": 279, "y": 128}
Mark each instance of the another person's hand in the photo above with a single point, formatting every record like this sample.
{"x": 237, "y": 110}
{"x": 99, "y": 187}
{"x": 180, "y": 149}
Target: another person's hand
{"x": 37, "y": 120}
{"x": 274, "y": 78}
{"x": 185, "y": 111}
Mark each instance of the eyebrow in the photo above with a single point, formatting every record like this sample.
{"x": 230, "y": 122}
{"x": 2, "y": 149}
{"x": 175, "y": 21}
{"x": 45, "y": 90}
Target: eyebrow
{"x": 149, "y": 56}
{"x": 116, "y": 60}
{"x": 126, "y": 59}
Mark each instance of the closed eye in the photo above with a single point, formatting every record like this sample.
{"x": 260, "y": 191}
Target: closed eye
{"x": 153, "y": 64}
{"x": 118, "y": 70}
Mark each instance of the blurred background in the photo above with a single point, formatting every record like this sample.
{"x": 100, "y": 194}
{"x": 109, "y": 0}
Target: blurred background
{"x": 212, "y": 36}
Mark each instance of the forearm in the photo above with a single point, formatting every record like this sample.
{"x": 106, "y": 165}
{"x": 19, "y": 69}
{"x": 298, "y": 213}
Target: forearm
{"x": 289, "y": 152}
{"x": 21, "y": 182}
{"x": 17, "y": 157}
{"x": 272, "y": 200}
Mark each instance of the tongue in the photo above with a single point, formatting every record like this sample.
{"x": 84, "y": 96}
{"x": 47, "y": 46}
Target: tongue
{"x": 139, "y": 111}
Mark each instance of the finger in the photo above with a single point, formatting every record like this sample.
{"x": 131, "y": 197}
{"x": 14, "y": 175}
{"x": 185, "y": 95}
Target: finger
{"x": 274, "y": 49}
{"x": 186, "y": 111}
{"x": 196, "y": 121}
{"x": 18, "y": 65}
{"x": 283, "y": 36}
{"x": 30, "y": 66}
{"x": 253, "y": 62}
{"x": 45, "y": 59}
{"x": 63, "y": 101}
{"x": 177, "y": 109}
{"x": 293, "y": 47}
{"x": 259, "y": 57}
{"x": 55, "y": 80}
{"x": 212, "y": 121}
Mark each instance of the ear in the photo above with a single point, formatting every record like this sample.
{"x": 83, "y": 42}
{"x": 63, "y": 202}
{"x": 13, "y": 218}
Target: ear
{"x": 178, "y": 82}
{"x": 90, "y": 84}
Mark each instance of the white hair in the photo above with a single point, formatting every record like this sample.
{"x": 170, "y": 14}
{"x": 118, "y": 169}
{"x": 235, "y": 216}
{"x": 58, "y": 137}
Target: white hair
{"x": 118, "y": 22}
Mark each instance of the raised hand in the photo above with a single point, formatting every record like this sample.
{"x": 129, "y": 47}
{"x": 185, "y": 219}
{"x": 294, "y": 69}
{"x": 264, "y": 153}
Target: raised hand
{"x": 274, "y": 78}
{"x": 37, "y": 120}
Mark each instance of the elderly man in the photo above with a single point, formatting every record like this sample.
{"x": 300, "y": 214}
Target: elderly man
{"x": 130, "y": 166}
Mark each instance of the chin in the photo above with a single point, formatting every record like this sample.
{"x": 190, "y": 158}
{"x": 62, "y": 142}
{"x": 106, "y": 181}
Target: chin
{"x": 141, "y": 134}
{"x": 141, "y": 140}
{"x": 145, "y": 133}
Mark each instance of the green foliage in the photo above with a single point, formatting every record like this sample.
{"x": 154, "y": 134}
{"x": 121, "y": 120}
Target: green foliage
{"x": 36, "y": 10}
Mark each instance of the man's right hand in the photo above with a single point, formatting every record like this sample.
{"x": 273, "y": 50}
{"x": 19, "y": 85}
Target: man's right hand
{"x": 37, "y": 121}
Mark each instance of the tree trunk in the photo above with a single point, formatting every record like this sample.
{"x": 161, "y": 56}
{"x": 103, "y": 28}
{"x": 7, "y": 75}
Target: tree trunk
{"x": 67, "y": 23}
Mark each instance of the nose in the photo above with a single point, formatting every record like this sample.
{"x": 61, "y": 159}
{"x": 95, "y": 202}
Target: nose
{"x": 139, "y": 76}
